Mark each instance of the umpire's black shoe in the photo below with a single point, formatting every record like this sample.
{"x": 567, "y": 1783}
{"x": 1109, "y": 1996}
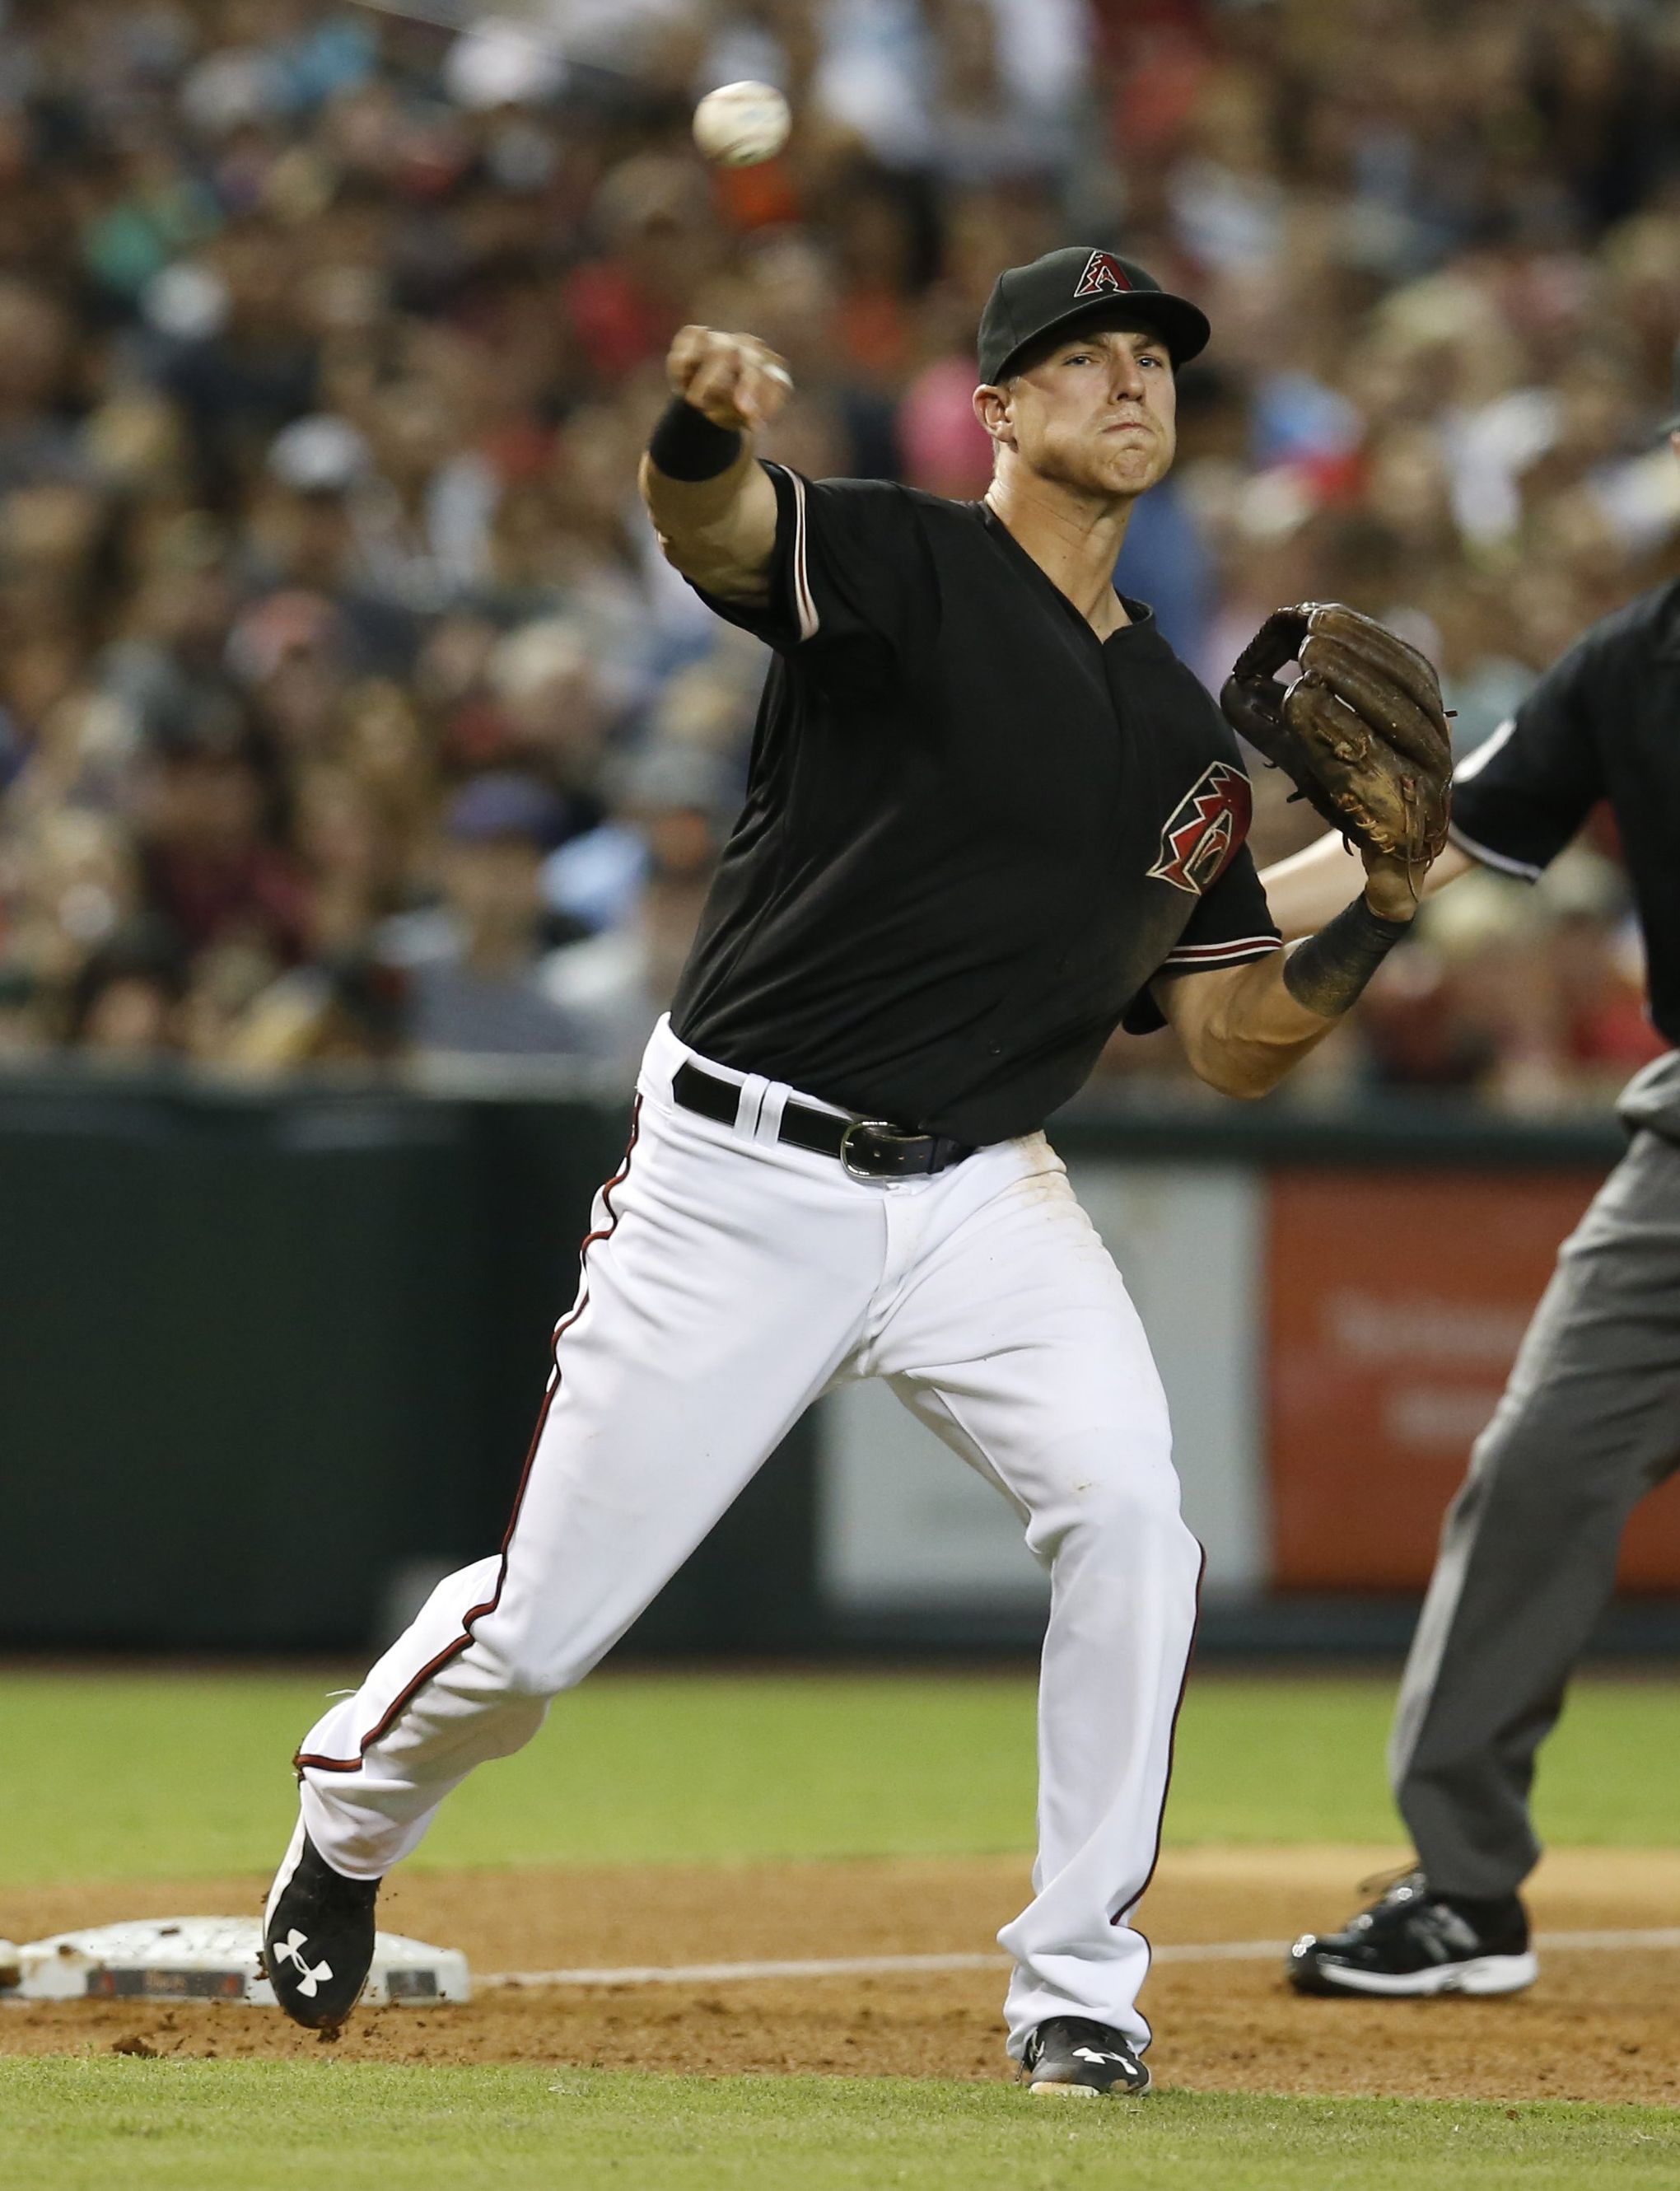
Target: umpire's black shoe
{"x": 1413, "y": 1942}
{"x": 1071, "y": 2054}
{"x": 318, "y": 1936}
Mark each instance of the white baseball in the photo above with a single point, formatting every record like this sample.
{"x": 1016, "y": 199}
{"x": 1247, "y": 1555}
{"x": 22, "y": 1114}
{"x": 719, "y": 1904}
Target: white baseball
{"x": 740, "y": 124}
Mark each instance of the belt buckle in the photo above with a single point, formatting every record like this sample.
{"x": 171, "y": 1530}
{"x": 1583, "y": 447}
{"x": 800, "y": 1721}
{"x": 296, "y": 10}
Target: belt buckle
{"x": 858, "y": 1126}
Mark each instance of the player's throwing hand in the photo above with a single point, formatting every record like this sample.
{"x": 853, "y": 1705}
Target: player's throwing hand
{"x": 736, "y": 381}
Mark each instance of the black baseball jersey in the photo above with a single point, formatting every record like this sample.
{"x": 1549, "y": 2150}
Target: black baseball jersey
{"x": 1602, "y": 723}
{"x": 974, "y": 832}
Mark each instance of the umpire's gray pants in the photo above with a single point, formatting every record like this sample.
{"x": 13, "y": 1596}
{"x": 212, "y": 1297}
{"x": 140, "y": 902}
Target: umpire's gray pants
{"x": 1589, "y": 1422}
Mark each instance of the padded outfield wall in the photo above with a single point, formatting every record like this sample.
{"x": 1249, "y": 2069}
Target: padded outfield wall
{"x": 268, "y": 1363}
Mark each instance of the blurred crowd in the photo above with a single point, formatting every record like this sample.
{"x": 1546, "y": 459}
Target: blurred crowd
{"x": 347, "y": 714}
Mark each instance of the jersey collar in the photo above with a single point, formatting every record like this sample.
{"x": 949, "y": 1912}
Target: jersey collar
{"x": 1141, "y": 615}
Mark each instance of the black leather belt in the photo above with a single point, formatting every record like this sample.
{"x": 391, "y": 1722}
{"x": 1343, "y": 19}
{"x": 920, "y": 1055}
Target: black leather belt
{"x": 868, "y": 1148}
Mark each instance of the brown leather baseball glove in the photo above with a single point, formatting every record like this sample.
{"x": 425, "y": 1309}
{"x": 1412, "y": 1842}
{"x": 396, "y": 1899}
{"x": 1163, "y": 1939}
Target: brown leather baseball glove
{"x": 1361, "y": 732}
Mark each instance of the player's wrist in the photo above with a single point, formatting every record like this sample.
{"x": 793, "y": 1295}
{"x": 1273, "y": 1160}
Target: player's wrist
{"x": 1326, "y": 973}
{"x": 1391, "y": 898}
{"x": 687, "y": 446}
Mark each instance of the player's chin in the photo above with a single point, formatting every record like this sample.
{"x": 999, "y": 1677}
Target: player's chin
{"x": 1128, "y": 464}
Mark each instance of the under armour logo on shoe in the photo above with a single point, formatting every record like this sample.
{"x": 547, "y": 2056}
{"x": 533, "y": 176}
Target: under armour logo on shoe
{"x": 1096, "y": 2054}
{"x": 290, "y": 1950}
{"x": 1447, "y": 1936}
{"x": 1103, "y": 272}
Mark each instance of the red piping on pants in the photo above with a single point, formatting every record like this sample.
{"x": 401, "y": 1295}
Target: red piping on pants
{"x": 455, "y": 1648}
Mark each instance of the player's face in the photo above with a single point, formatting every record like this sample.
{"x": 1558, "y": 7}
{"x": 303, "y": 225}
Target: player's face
{"x": 1098, "y": 414}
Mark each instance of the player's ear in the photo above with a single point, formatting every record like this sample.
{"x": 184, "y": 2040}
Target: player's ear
{"x": 992, "y": 409}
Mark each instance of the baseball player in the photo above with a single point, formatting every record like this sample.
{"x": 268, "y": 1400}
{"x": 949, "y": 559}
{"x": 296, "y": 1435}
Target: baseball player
{"x": 1590, "y": 1420}
{"x": 989, "y": 815}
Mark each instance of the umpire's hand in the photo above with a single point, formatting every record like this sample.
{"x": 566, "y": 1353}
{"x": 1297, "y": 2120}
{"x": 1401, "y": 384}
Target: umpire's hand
{"x": 735, "y": 380}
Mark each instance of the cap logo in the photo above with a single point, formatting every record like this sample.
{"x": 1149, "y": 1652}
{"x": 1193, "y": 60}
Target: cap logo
{"x": 1103, "y": 272}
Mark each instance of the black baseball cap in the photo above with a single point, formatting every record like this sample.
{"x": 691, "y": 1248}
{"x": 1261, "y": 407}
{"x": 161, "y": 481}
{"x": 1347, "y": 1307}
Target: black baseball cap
{"x": 1079, "y": 283}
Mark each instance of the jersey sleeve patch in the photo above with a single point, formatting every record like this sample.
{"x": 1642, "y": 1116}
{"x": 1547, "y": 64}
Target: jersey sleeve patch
{"x": 1206, "y": 829}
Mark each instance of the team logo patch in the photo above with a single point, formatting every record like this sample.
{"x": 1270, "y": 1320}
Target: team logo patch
{"x": 1205, "y": 828}
{"x": 1102, "y": 273}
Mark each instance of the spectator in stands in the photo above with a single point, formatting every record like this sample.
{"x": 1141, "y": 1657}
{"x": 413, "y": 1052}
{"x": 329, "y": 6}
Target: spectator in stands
{"x": 127, "y": 999}
{"x": 328, "y": 341}
{"x": 483, "y": 970}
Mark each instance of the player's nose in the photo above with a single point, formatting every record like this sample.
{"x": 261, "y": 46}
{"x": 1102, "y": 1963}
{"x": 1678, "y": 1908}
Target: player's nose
{"x": 1125, "y": 375}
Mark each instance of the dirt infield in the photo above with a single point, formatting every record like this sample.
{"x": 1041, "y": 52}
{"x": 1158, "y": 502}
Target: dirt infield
{"x": 1599, "y": 2026}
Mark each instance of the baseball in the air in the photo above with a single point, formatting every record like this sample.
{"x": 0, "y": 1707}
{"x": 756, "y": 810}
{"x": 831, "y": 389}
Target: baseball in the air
{"x": 740, "y": 124}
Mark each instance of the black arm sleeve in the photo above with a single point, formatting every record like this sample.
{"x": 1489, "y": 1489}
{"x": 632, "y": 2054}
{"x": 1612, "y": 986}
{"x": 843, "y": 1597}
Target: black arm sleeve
{"x": 850, "y": 562}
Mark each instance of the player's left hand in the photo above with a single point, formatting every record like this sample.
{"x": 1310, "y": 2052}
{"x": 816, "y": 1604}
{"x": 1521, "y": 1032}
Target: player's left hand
{"x": 1362, "y": 731}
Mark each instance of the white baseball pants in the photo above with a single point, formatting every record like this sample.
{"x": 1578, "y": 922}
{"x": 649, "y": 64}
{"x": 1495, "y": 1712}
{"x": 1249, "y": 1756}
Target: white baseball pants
{"x": 727, "y": 1281}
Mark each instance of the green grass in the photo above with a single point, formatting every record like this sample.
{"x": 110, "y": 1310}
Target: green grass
{"x": 74, "y": 2125}
{"x": 154, "y": 1774}
{"x": 167, "y": 1776}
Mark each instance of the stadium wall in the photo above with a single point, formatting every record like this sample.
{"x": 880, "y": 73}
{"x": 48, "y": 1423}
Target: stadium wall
{"x": 268, "y": 1363}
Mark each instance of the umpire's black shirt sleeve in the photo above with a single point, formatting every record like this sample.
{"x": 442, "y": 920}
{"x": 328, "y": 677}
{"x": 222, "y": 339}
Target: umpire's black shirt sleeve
{"x": 1520, "y": 797}
{"x": 1604, "y": 723}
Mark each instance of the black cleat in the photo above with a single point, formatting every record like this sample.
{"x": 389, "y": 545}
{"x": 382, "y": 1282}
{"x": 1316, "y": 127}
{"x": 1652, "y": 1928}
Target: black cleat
{"x": 1071, "y": 2054}
{"x": 318, "y": 1936}
{"x": 1412, "y": 1943}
